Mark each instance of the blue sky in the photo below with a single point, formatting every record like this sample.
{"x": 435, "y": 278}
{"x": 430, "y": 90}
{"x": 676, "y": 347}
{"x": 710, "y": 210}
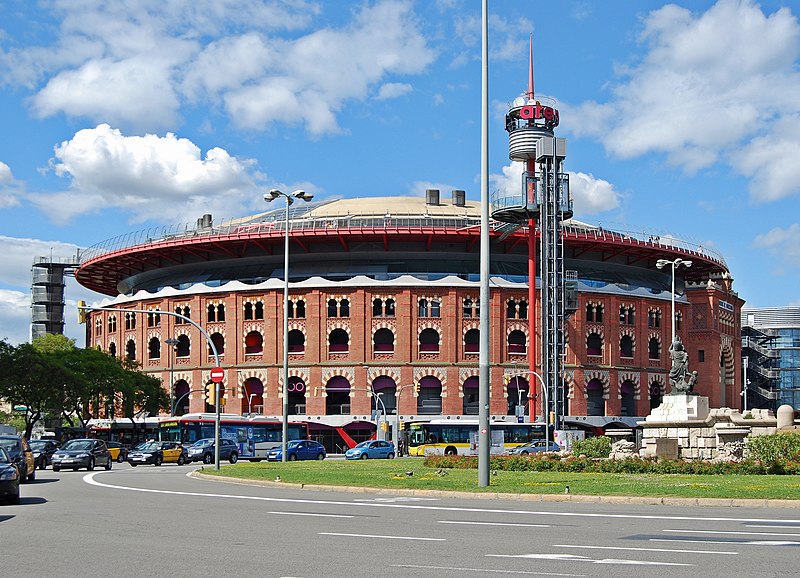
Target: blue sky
{"x": 682, "y": 119}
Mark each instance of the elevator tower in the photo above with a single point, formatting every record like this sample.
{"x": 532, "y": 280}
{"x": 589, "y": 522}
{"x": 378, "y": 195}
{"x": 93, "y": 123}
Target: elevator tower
{"x": 544, "y": 199}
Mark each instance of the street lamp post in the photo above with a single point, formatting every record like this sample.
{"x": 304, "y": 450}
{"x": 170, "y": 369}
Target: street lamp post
{"x": 269, "y": 197}
{"x": 661, "y": 263}
{"x": 172, "y": 345}
{"x": 249, "y": 401}
{"x": 378, "y": 421}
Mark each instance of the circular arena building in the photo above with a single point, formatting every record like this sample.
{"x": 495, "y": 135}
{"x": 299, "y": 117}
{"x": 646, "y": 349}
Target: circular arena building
{"x": 383, "y": 305}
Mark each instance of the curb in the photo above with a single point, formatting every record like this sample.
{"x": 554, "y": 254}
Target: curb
{"x": 579, "y": 499}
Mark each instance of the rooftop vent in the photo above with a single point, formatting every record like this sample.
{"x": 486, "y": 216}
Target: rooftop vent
{"x": 204, "y": 222}
{"x": 459, "y": 198}
{"x": 431, "y": 196}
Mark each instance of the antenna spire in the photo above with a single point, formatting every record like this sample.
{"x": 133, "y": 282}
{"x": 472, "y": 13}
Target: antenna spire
{"x": 529, "y": 94}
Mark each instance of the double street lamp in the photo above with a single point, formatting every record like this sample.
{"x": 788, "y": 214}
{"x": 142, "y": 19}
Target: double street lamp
{"x": 269, "y": 197}
{"x": 172, "y": 343}
{"x": 675, "y": 263}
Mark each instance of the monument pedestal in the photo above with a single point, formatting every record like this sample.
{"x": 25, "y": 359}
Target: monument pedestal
{"x": 679, "y": 408}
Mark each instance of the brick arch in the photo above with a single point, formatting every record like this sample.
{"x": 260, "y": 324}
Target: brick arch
{"x": 599, "y": 375}
{"x": 345, "y": 372}
{"x": 221, "y": 331}
{"x": 184, "y": 330}
{"x": 429, "y": 323}
{"x": 391, "y": 372}
{"x": 301, "y": 372}
{"x": 464, "y": 373}
{"x": 569, "y": 379}
{"x": 599, "y": 329}
{"x": 153, "y": 333}
{"x": 299, "y": 326}
{"x": 517, "y": 326}
{"x": 657, "y": 378}
{"x": 471, "y": 325}
{"x": 726, "y": 361}
{"x": 187, "y": 377}
{"x": 340, "y": 323}
{"x": 438, "y": 372}
{"x": 243, "y": 375}
{"x": 384, "y": 324}
{"x": 634, "y": 378}
{"x": 655, "y": 334}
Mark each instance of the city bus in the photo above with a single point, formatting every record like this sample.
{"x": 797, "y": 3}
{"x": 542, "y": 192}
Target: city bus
{"x": 451, "y": 437}
{"x": 127, "y": 431}
{"x": 254, "y": 435}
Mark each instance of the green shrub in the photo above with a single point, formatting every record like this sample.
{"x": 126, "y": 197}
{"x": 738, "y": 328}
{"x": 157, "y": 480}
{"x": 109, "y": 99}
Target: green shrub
{"x": 774, "y": 449}
{"x": 596, "y": 447}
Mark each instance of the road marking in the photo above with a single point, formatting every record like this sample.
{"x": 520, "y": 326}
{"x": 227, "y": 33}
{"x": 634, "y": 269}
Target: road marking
{"x": 733, "y": 533}
{"x": 396, "y": 499}
{"x": 484, "y": 570}
{"x": 311, "y": 514}
{"x": 642, "y": 549}
{"x": 730, "y": 542}
{"x": 380, "y": 536}
{"x": 90, "y": 479}
{"x": 494, "y": 524}
{"x": 574, "y": 558}
{"x": 772, "y": 526}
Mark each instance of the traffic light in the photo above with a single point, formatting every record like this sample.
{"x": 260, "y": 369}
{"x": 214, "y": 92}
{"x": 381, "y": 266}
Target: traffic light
{"x": 384, "y": 426}
{"x": 506, "y": 379}
{"x": 82, "y": 312}
{"x": 416, "y": 387}
{"x": 208, "y": 394}
{"x": 220, "y": 390}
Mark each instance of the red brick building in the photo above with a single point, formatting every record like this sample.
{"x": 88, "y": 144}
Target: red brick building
{"x": 384, "y": 297}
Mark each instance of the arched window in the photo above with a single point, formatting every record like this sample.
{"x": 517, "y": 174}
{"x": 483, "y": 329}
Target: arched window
{"x": 253, "y": 343}
{"x": 112, "y": 323}
{"x": 429, "y": 340}
{"x": 655, "y": 395}
{"x": 377, "y": 307}
{"x": 211, "y": 312}
{"x": 182, "y": 349}
{"x": 517, "y": 396}
{"x": 112, "y": 349}
{"x": 472, "y": 340}
{"x": 626, "y": 346}
{"x": 297, "y": 341}
{"x": 627, "y": 404}
{"x": 300, "y": 309}
{"x": 595, "y": 404}
{"x": 429, "y": 400}
{"x": 383, "y": 340}
{"x": 219, "y": 342}
{"x": 468, "y": 308}
{"x": 517, "y": 342}
{"x": 248, "y": 311}
{"x": 654, "y": 348}
{"x": 154, "y": 348}
{"x": 390, "y": 307}
{"x": 511, "y": 309}
{"x": 332, "y": 308}
{"x": 130, "y": 350}
{"x": 344, "y": 308}
{"x": 338, "y": 341}
{"x": 522, "y": 307}
{"x": 594, "y": 344}
{"x": 337, "y": 399}
{"x": 471, "y": 406}
{"x": 423, "y": 307}
{"x": 258, "y": 310}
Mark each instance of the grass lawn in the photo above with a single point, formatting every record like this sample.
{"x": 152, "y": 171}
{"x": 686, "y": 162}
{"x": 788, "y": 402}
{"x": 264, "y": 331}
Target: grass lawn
{"x": 392, "y": 474}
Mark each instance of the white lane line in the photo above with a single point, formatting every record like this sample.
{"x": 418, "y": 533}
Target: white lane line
{"x": 380, "y": 536}
{"x": 772, "y": 526}
{"x": 642, "y": 549}
{"x": 484, "y": 570}
{"x": 494, "y": 524}
{"x": 573, "y": 558}
{"x": 90, "y": 479}
{"x": 729, "y": 542}
{"x": 796, "y": 535}
{"x": 310, "y": 514}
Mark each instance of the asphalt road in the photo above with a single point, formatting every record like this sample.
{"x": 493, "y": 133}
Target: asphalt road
{"x": 145, "y": 521}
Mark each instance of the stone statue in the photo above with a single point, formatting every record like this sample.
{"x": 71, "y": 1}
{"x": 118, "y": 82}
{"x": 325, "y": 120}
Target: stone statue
{"x": 680, "y": 379}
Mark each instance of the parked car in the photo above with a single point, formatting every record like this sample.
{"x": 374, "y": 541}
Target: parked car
{"x": 119, "y": 453}
{"x": 157, "y": 453}
{"x": 298, "y": 450}
{"x": 21, "y": 454}
{"x": 203, "y": 451}
{"x": 371, "y": 449}
{"x": 9, "y": 479}
{"x": 535, "y": 447}
{"x": 82, "y": 453}
{"x": 43, "y": 451}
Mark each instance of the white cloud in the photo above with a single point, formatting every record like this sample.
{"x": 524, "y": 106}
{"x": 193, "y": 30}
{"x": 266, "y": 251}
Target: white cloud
{"x": 18, "y": 255}
{"x": 133, "y": 64}
{"x": 393, "y": 90}
{"x": 509, "y": 38}
{"x": 711, "y": 88}
{"x": 15, "y": 316}
{"x": 784, "y": 243}
{"x": 5, "y": 174}
{"x": 590, "y": 195}
{"x": 780, "y": 152}
{"x": 149, "y": 176}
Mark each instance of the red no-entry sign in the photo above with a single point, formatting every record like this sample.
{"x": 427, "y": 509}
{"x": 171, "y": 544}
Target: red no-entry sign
{"x": 217, "y": 374}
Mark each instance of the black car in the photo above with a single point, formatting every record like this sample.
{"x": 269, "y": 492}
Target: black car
{"x": 9, "y": 479}
{"x": 203, "y": 451}
{"x": 82, "y": 453}
{"x": 21, "y": 455}
{"x": 43, "y": 451}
